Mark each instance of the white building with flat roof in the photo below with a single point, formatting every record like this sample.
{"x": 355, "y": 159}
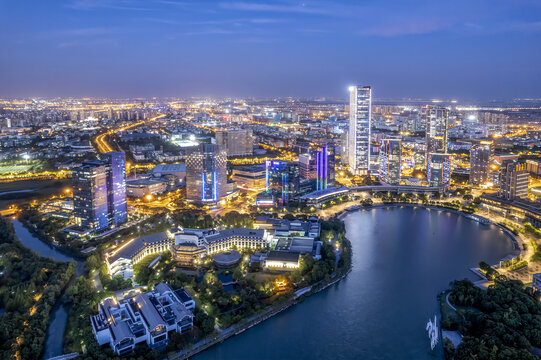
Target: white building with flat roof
{"x": 147, "y": 317}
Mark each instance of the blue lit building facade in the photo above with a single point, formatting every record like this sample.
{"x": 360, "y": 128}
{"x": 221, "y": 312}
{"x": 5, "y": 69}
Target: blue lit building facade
{"x": 282, "y": 180}
{"x": 206, "y": 174}
{"x": 325, "y": 167}
{"x": 99, "y": 192}
{"x": 116, "y": 189}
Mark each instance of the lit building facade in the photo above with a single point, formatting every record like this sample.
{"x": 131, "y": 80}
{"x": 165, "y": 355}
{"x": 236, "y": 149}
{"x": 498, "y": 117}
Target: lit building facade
{"x": 319, "y": 164}
{"x": 360, "y": 118}
{"x": 390, "y": 160}
{"x": 282, "y": 180}
{"x": 437, "y": 124}
{"x": 99, "y": 192}
{"x": 116, "y": 187}
{"x": 236, "y": 142}
{"x": 90, "y": 196}
{"x": 439, "y": 169}
{"x": 325, "y": 167}
{"x": 206, "y": 174}
{"x": 480, "y": 157}
{"x": 513, "y": 182}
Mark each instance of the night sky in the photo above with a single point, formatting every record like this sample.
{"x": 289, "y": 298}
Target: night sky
{"x": 460, "y": 49}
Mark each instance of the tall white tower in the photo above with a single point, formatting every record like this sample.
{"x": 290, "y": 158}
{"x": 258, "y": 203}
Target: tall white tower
{"x": 360, "y": 119}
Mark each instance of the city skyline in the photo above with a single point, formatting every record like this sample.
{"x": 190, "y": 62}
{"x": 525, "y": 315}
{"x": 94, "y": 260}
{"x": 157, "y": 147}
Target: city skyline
{"x": 222, "y": 48}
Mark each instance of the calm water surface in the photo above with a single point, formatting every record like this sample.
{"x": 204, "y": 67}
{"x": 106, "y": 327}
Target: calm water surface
{"x": 402, "y": 258}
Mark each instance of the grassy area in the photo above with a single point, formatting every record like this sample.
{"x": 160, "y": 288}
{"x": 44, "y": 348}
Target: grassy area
{"x": 263, "y": 277}
{"x": 20, "y": 167}
{"x": 39, "y": 188}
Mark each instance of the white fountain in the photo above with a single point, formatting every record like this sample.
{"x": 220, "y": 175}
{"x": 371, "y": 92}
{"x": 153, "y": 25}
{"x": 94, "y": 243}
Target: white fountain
{"x": 433, "y": 334}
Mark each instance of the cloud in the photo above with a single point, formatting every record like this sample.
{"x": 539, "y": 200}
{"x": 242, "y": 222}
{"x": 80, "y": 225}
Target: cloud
{"x": 418, "y": 27}
{"x": 107, "y": 4}
{"x": 95, "y": 31}
{"x": 211, "y": 32}
{"x": 274, "y": 7}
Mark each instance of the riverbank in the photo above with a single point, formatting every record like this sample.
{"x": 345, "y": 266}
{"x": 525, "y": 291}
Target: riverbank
{"x": 515, "y": 239}
{"x": 58, "y": 314}
{"x": 69, "y": 252}
{"x": 255, "y": 320}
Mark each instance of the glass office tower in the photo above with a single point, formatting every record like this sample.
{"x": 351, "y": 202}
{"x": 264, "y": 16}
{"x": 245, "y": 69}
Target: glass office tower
{"x": 90, "y": 196}
{"x": 360, "y": 118}
{"x": 390, "y": 160}
{"x": 116, "y": 189}
{"x": 325, "y": 167}
{"x": 439, "y": 169}
{"x": 206, "y": 174}
{"x": 480, "y": 157}
{"x": 99, "y": 192}
{"x": 437, "y": 124}
{"x": 282, "y": 180}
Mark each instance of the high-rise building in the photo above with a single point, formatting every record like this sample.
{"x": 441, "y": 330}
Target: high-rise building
{"x": 439, "y": 169}
{"x": 116, "y": 187}
{"x": 437, "y": 123}
{"x": 90, "y": 205}
{"x": 307, "y": 165}
{"x": 282, "y": 180}
{"x": 236, "y": 142}
{"x": 318, "y": 164}
{"x": 513, "y": 181}
{"x": 390, "y": 160}
{"x": 360, "y": 117}
{"x": 206, "y": 174}
{"x": 99, "y": 192}
{"x": 480, "y": 157}
{"x": 325, "y": 167}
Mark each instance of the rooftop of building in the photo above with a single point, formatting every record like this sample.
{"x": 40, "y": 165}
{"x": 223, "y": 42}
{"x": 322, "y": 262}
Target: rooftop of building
{"x": 144, "y": 182}
{"x": 223, "y": 234}
{"x": 286, "y": 256}
{"x": 161, "y": 168}
{"x": 132, "y": 247}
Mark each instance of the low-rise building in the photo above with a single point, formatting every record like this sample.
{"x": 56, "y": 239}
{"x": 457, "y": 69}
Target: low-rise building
{"x": 143, "y": 187}
{"x": 282, "y": 260}
{"x": 121, "y": 260}
{"x": 147, "y": 317}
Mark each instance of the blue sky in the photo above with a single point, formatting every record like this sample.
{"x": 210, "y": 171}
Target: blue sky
{"x": 466, "y": 50}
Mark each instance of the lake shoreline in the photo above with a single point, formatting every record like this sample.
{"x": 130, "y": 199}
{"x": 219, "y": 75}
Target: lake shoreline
{"x": 270, "y": 313}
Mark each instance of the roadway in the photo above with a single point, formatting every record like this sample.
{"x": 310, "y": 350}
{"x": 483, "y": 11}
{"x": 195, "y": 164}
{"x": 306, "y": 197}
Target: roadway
{"x": 101, "y": 141}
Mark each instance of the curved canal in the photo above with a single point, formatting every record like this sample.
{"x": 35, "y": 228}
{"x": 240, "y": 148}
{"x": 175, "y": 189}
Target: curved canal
{"x": 402, "y": 258}
{"x": 59, "y": 314}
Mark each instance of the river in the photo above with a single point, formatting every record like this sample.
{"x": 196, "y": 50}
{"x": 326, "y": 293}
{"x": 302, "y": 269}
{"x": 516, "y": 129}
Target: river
{"x": 59, "y": 314}
{"x": 402, "y": 258}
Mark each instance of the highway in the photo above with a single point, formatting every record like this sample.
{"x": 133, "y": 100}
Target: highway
{"x": 101, "y": 142}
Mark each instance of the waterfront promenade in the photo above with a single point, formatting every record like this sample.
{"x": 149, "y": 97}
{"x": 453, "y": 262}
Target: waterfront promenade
{"x": 252, "y": 321}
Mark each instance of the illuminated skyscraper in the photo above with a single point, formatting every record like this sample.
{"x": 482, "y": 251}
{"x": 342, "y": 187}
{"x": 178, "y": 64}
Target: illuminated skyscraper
{"x": 206, "y": 174}
{"x": 390, "y": 160}
{"x": 90, "y": 196}
{"x": 116, "y": 186}
{"x": 439, "y": 169}
{"x": 325, "y": 167}
{"x": 480, "y": 157}
{"x": 360, "y": 117}
{"x": 99, "y": 192}
{"x": 437, "y": 123}
{"x": 282, "y": 180}
{"x": 318, "y": 164}
{"x": 514, "y": 179}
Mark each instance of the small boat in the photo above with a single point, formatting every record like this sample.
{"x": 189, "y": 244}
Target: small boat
{"x": 433, "y": 333}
